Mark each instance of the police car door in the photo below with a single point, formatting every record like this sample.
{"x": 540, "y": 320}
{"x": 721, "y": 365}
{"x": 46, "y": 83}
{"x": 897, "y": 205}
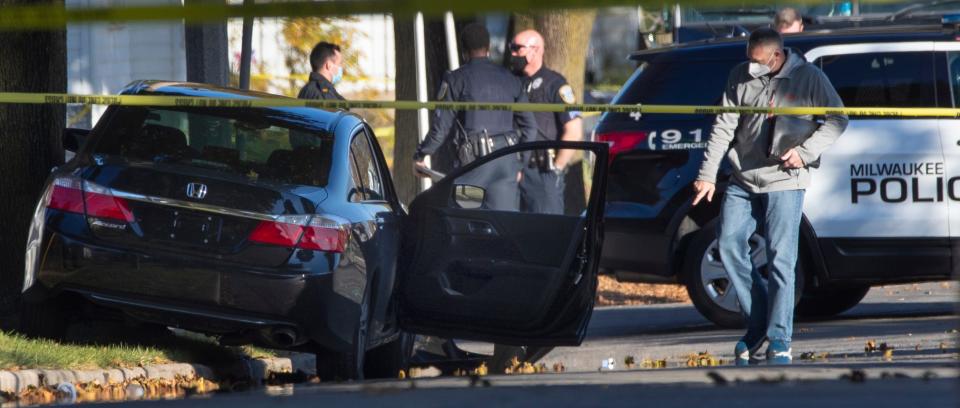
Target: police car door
{"x": 877, "y": 203}
{"x": 947, "y": 65}
{"x": 505, "y": 276}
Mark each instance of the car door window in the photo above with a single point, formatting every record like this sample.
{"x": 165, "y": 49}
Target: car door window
{"x": 367, "y": 172}
{"x": 883, "y": 79}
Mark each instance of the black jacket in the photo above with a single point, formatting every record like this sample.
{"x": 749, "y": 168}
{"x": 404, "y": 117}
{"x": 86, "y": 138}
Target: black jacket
{"x": 479, "y": 80}
{"x": 318, "y": 88}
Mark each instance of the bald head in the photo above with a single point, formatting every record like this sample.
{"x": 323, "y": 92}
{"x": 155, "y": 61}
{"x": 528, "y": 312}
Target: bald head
{"x": 528, "y": 44}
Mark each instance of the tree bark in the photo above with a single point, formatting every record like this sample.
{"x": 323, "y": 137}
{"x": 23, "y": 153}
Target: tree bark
{"x": 30, "y": 138}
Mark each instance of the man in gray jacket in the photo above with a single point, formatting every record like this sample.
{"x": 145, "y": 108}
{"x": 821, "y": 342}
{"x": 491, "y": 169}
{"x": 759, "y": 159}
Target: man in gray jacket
{"x": 765, "y": 193}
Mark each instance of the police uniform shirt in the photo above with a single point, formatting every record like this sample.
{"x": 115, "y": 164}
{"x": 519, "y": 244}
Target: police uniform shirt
{"x": 479, "y": 80}
{"x": 318, "y": 88}
{"x": 548, "y": 86}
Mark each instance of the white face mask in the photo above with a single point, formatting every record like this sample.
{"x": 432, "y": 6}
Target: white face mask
{"x": 758, "y": 70}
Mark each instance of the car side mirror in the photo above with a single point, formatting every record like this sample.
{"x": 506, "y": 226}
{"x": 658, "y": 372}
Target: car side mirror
{"x": 74, "y": 138}
{"x": 467, "y": 196}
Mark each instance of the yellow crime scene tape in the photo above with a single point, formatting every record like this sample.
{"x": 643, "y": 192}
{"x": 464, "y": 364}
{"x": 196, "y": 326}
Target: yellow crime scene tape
{"x": 203, "y": 102}
{"x": 56, "y": 16}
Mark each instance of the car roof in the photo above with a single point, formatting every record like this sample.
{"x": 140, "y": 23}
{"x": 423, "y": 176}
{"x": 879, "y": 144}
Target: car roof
{"x": 304, "y": 117}
{"x": 724, "y": 49}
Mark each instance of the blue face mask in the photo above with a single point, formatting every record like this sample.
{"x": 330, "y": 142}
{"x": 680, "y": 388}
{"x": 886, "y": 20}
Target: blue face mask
{"x": 338, "y": 76}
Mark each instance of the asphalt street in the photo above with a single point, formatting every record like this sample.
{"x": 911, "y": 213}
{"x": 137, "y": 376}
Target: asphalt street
{"x": 917, "y": 321}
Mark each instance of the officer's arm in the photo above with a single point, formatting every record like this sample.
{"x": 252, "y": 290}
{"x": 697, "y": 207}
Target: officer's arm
{"x": 525, "y": 120}
{"x": 442, "y": 120}
{"x": 570, "y": 122}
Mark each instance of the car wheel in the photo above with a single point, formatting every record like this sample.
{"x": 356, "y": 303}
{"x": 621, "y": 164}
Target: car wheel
{"x": 830, "y": 301}
{"x": 708, "y": 283}
{"x": 348, "y": 365}
{"x": 46, "y": 319}
{"x": 387, "y": 360}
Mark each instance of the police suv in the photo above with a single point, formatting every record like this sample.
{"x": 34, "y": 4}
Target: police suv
{"x": 883, "y": 208}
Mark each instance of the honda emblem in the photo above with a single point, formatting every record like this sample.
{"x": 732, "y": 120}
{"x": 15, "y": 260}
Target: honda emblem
{"x": 196, "y": 190}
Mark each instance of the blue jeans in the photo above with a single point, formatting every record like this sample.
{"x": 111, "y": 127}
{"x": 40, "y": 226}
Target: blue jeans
{"x": 768, "y": 309}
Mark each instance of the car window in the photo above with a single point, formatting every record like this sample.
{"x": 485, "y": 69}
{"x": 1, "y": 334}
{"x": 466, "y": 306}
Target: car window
{"x": 232, "y": 141}
{"x": 953, "y": 73}
{"x": 677, "y": 83}
{"x": 886, "y": 79}
{"x": 366, "y": 168}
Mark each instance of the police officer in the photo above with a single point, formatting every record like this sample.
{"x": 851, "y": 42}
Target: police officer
{"x": 327, "y": 66}
{"x": 481, "y": 131}
{"x": 542, "y": 184}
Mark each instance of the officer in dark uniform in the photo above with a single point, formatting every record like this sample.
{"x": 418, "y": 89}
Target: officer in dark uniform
{"x": 542, "y": 185}
{"x": 482, "y": 131}
{"x": 327, "y": 65}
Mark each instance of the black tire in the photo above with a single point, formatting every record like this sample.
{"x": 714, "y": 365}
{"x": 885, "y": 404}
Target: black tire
{"x": 830, "y": 301}
{"x": 387, "y": 360}
{"x": 348, "y": 365}
{"x": 723, "y": 316}
{"x": 47, "y": 319}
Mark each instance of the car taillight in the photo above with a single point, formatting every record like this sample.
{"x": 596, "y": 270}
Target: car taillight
{"x": 101, "y": 203}
{"x": 71, "y": 194}
{"x": 317, "y": 232}
{"x": 67, "y": 195}
{"x": 621, "y": 141}
{"x": 325, "y": 234}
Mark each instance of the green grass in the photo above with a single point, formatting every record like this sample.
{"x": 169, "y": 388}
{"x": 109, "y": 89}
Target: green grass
{"x": 95, "y": 350}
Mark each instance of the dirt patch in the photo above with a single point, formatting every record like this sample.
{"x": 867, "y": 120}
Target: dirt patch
{"x": 613, "y": 293}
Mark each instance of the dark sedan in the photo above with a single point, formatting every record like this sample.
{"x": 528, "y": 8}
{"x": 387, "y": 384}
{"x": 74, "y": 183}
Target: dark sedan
{"x": 281, "y": 227}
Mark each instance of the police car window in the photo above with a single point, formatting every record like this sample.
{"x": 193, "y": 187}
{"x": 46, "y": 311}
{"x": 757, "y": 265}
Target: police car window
{"x": 890, "y": 79}
{"x": 677, "y": 83}
{"x": 366, "y": 167}
{"x": 243, "y": 143}
{"x": 953, "y": 73}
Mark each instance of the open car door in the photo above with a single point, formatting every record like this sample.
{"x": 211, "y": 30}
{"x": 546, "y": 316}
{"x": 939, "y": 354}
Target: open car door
{"x": 477, "y": 264}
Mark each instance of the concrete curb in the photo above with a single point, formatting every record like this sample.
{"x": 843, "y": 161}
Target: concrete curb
{"x": 257, "y": 370}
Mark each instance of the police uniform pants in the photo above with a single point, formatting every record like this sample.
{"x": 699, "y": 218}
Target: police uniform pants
{"x": 541, "y": 191}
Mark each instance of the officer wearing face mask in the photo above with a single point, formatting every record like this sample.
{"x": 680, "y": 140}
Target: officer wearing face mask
{"x": 542, "y": 185}
{"x": 327, "y": 65}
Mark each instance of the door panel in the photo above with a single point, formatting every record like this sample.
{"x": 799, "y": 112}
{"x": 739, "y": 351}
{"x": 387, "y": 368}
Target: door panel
{"x": 884, "y": 177}
{"x": 493, "y": 269}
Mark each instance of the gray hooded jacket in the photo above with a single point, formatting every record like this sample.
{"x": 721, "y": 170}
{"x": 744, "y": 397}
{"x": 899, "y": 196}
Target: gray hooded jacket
{"x": 745, "y": 138}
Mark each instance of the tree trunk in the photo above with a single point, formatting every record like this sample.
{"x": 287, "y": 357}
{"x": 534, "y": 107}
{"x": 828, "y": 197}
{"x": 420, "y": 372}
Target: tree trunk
{"x": 566, "y": 36}
{"x": 30, "y": 139}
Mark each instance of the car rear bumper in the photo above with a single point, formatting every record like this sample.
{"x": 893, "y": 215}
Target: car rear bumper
{"x": 205, "y": 295}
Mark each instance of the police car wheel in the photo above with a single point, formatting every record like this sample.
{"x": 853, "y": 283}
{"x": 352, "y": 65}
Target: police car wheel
{"x": 708, "y": 283}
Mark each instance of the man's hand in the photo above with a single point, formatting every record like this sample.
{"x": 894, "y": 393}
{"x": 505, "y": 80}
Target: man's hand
{"x": 791, "y": 160}
{"x": 416, "y": 171}
{"x": 703, "y": 189}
